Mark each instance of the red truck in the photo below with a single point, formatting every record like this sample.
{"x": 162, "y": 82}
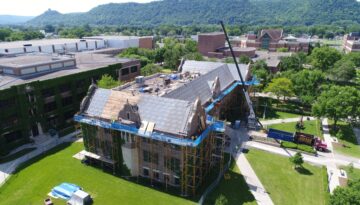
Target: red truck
{"x": 310, "y": 140}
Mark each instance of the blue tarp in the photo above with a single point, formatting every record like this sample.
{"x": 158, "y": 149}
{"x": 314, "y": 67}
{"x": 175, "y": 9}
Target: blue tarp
{"x": 214, "y": 125}
{"x": 65, "y": 190}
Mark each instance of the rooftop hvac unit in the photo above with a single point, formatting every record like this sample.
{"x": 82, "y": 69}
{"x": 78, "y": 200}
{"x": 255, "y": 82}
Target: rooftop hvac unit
{"x": 140, "y": 80}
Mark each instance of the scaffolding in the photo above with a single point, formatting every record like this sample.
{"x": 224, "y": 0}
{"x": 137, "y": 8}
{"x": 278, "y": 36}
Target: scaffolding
{"x": 197, "y": 162}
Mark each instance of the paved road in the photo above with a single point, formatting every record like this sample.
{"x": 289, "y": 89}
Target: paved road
{"x": 321, "y": 159}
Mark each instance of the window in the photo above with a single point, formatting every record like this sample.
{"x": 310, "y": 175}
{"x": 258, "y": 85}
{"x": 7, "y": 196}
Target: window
{"x": 49, "y": 107}
{"x": 67, "y": 101}
{"x": 7, "y": 103}
{"x": 128, "y": 116}
{"x": 13, "y": 136}
{"x": 134, "y": 69}
{"x": 48, "y": 92}
{"x": 125, "y": 71}
{"x": 65, "y": 87}
{"x": 156, "y": 174}
{"x": 177, "y": 180}
{"x": 146, "y": 172}
{"x": 146, "y": 156}
{"x": 172, "y": 163}
{"x": 166, "y": 178}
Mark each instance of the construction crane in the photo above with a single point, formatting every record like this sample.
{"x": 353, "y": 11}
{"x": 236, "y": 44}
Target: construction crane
{"x": 253, "y": 121}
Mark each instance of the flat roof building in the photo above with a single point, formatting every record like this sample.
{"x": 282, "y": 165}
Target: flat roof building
{"x": 40, "y": 92}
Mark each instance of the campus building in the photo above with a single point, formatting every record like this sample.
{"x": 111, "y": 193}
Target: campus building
{"x": 167, "y": 129}
{"x": 272, "y": 39}
{"x": 109, "y": 44}
{"x": 351, "y": 42}
{"x": 40, "y": 91}
{"x": 213, "y": 45}
{"x": 43, "y": 81}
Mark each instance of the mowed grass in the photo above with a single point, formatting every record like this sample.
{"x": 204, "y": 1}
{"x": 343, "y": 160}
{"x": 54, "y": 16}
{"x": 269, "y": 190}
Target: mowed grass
{"x": 285, "y": 185}
{"x": 271, "y": 114}
{"x": 33, "y": 182}
{"x": 352, "y": 173}
{"x": 234, "y": 189}
{"x": 311, "y": 127}
{"x": 348, "y": 145}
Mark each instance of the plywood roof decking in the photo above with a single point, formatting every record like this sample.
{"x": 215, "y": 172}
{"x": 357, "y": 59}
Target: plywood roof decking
{"x": 116, "y": 102}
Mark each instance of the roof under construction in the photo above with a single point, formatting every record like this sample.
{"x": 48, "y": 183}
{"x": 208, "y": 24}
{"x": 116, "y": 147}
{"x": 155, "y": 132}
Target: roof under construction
{"x": 166, "y": 105}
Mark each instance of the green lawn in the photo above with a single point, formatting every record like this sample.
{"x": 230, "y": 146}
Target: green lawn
{"x": 286, "y": 185}
{"x": 272, "y": 114}
{"x": 31, "y": 184}
{"x": 353, "y": 173}
{"x": 234, "y": 189}
{"x": 349, "y": 143}
{"x": 311, "y": 127}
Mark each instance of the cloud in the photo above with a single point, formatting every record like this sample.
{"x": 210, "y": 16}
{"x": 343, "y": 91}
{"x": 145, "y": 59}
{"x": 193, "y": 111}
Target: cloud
{"x": 37, "y": 7}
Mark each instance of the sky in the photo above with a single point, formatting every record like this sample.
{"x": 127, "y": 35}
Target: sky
{"x": 37, "y": 7}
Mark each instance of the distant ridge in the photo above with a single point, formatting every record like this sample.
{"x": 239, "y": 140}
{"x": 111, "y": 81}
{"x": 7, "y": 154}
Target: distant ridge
{"x": 186, "y": 12}
{"x": 11, "y": 19}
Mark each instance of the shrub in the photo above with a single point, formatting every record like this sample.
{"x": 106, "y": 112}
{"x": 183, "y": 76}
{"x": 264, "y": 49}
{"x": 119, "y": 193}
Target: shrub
{"x": 290, "y": 145}
{"x": 306, "y": 148}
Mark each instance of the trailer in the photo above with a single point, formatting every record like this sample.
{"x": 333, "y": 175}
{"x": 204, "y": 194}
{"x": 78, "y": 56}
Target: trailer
{"x": 281, "y": 135}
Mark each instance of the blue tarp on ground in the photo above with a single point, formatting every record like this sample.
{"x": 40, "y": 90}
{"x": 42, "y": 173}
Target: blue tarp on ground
{"x": 65, "y": 190}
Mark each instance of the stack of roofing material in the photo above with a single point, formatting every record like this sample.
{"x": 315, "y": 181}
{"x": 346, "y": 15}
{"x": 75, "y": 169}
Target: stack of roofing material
{"x": 64, "y": 190}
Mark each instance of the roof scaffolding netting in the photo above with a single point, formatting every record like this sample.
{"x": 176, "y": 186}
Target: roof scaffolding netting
{"x": 217, "y": 126}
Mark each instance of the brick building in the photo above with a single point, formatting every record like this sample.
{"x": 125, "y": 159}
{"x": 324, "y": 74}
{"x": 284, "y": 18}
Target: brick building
{"x": 213, "y": 45}
{"x": 163, "y": 128}
{"x": 272, "y": 39}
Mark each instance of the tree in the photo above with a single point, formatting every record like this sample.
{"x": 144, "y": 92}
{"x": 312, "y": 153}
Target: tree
{"x": 344, "y": 70}
{"x": 190, "y": 45}
{"x": 347, "y": 195}
{"x": 281, "y": 87}
{"x": 307, "y": 84}
{"x": 229, "y": 60}
{"x": 294, "y": 62}
{"x": 221, "y": 200}
{"x": 337, "y": 102}
{"x": 194, "y": 56}
{"x": 107, "y": 82}
{"x": 244, "y": 59}
{"x": 324, "y": 58}
{"x": 261, "y": 71}
{"x": 173, "y": 53}
{"x": 150, "y": 69}
{"x": 297, "y": 160}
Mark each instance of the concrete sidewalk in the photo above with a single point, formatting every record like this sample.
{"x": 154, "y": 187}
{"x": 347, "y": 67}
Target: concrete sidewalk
{"x": 279, "y": 121}
{"x": 256, "y": 188}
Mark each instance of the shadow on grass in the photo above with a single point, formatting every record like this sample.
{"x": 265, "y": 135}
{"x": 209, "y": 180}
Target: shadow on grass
{"x": 303, "y": 170}
{"x": 346, "y": 129}
{"x": 42, "y": 156}
{"x": 16, "y": 155}
{"x": 233, "y": 188}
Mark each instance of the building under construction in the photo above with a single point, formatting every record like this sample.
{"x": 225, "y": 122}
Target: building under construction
{"x": 167, "y": 128}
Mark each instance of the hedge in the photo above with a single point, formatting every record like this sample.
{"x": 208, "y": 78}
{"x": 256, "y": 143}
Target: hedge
{"x": 302, "y": 147}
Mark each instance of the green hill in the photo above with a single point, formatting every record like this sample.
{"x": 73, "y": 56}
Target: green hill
{"x": 186, "y": 12}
